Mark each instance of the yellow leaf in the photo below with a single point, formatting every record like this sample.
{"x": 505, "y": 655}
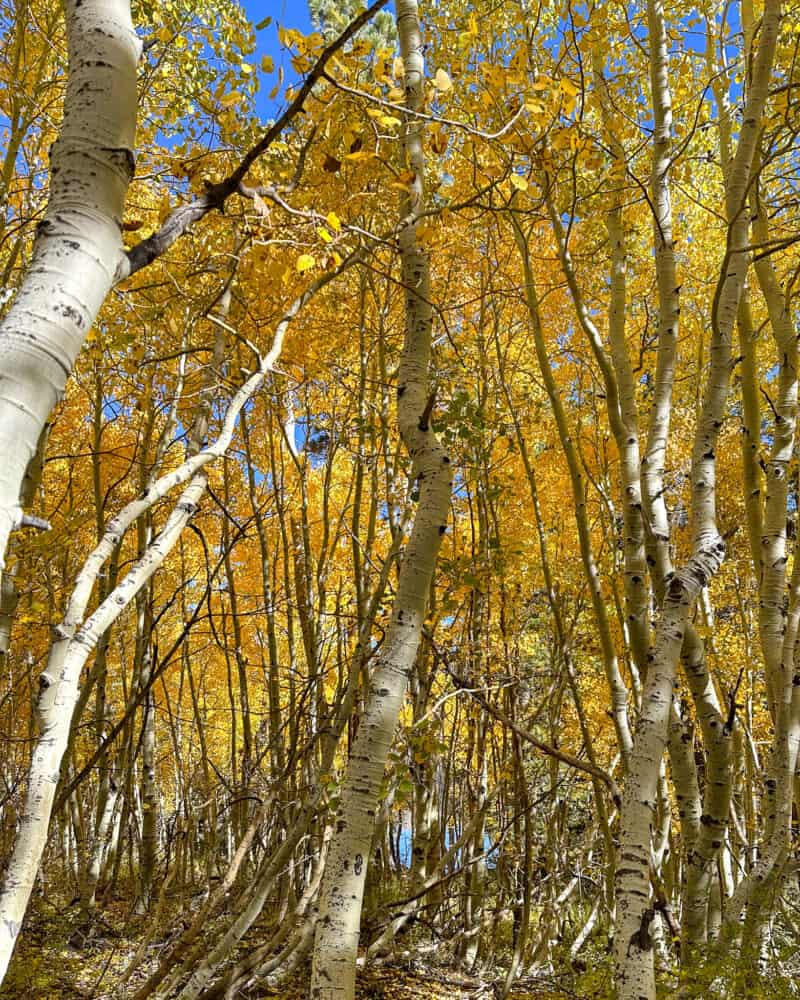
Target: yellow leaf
{"x": 274, "y": 92}
{"x": 439, "y": 141}
{"x": 163, "y": 209}
{"x": 520, "y": 183}
{"x": 234, "y": 97}
{"x": 267, "y": 64}
{"x": 333, "y": 221}
{"x": 442, "y": 81}
{"x": 305, "y": 262}
{"x": 398, "y": 68}
{"x": 568, "y": 87}
{"x": 323, "y": 234}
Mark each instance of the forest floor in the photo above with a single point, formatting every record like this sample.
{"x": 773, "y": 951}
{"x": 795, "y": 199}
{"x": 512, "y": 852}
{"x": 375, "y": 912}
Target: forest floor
{"x": 46, "y": 966}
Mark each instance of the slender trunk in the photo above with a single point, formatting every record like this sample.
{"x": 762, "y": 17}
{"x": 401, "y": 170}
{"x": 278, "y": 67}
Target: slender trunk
{"x": 77, "y": 638}
{"x": 337, "y": 932}
{"x": 635, "y": 974}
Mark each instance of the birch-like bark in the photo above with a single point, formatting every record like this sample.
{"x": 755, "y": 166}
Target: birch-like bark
{"x": 703, "y": 851}
{"x": 772, "y": 591}
{"x": 654, "y": 458}
{"x": 635, "y": 975}
{"x": 76, "y": 638}
{"x": 78, "y": 247}
{"x": 204, "y": 969}
{"x": 779, "y": 619}
{"x": 76, "y": 255}
{"x": 337, "y": 932}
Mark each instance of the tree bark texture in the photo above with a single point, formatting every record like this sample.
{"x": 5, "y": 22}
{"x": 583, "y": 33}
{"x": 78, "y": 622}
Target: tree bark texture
{"x": 337, "y": 932}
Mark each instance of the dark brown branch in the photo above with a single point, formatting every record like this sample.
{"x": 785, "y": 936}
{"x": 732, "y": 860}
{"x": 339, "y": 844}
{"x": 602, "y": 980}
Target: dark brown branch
{"x": 215, "y": 196}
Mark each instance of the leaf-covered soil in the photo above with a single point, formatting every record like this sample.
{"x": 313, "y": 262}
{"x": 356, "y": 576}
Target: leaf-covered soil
{"x": 50, "y": 965}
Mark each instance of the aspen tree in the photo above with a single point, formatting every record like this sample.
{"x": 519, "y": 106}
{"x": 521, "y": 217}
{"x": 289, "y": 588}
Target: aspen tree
{"x": 336, "y": 940}
{"x": 634, "y": 953}
{"x": 76, "y": 256}
{"x": 616, "y": 683}
{"x": 78, "y": 635}
{"x": 78, "y": 250}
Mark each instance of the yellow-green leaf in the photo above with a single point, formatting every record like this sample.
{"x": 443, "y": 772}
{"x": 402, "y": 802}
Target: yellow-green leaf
{"x": 305, "y": 262}
{"x": 442, "y": 81}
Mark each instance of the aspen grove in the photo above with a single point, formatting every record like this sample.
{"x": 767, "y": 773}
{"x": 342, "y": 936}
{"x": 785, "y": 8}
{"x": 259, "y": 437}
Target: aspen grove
{"x": 399, "y": 488}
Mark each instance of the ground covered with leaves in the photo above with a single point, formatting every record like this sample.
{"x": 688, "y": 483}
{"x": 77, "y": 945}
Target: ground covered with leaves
{"x": 50, "y": 965}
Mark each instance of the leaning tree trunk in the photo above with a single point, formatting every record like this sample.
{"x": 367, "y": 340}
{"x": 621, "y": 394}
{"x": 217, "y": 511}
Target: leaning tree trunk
{"x": 78, "y": 243}
{"x": 78, "y": 247}
{"x": 336, "y": 940}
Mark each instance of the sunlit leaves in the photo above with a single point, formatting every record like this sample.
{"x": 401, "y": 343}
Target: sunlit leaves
{"x": 442, "y": 81}
{"x": 305, "y": 262}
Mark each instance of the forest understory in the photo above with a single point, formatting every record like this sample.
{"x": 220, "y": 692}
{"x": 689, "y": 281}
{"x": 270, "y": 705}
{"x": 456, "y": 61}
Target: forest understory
{"x": 55, "y": 961}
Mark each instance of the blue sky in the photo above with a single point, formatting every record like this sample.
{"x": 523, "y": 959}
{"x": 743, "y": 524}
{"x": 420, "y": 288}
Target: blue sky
{"x": 289, "y": 14}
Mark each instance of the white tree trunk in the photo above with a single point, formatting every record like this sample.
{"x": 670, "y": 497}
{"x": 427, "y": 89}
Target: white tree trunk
{"x": 77, "y": 251}
{"x": 635, "y": 976}
{"x": 76, "y": 639}
{"x": 337, "y": 931}
{"x": 78, "y": 246}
